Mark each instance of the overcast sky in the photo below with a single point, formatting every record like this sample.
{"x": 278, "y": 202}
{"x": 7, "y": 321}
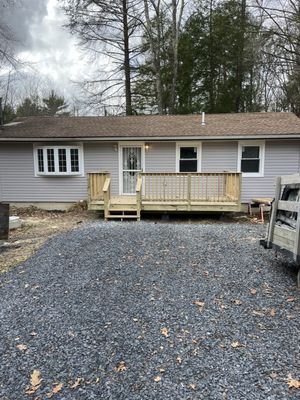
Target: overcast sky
{"x": 38, "y": 26}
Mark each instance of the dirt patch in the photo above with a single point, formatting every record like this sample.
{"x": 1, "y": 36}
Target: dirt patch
{"x": 37, "y": 227}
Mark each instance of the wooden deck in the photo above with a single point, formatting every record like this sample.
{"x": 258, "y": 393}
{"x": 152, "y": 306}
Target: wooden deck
{"x": 167, "y": 192}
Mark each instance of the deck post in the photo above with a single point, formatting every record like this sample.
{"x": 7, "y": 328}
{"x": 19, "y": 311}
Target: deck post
{"x": 189, "y": 191}
{"x": 274, "y": 212}
{"x": 106, "y": 196}
{"x": 138, "y": 197}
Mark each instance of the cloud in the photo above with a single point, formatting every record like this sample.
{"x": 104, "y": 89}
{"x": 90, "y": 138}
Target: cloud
{"x": 19, "y": 16}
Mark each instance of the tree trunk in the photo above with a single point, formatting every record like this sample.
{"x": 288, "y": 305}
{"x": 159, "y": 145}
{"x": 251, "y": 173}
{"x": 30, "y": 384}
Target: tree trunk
{"x": 239, "y": 106}
{"x": 211, "y": 61}
{"x": 127, "y": 70}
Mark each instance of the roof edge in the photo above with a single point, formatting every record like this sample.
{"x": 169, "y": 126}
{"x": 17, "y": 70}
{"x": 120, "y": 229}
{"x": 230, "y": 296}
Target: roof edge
{"x": 149, "y": 138}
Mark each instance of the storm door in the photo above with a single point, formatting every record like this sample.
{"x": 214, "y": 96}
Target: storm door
{"x": 132, "y": 164}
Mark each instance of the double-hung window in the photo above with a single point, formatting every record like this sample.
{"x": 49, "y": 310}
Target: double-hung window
{"x": 58, "y": 160}
{"x": 188, "y": 157}
{"x": 251, "y": 158}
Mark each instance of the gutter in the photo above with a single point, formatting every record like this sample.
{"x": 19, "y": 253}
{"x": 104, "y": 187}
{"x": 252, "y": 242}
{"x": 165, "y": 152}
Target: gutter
{"x": 149, "y": 138}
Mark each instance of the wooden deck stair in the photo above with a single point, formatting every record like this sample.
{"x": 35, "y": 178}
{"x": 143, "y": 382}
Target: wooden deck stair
{"x": 122, "y": 207}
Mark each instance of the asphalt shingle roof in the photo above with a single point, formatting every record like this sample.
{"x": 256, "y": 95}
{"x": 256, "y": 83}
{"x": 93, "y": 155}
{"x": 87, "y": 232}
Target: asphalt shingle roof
{"x": 154, "y": 126}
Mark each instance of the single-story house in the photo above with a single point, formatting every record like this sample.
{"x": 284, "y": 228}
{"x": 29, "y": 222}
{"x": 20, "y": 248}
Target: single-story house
{"x": 46, "y": 160}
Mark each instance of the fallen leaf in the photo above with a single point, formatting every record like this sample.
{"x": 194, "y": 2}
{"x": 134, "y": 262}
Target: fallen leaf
{"x": 97, "y": 380}
{"x": 237, "y": 302}
{"x": 272, "y": 312}
{"x": 273, "y": 375}
{"x": 192, "y": 386}
{"x": 21, "y": 347}
{"x": 33, "y": 334}
{"x": 290, "y": 299}
{"x": 35, "y": 382}
{"x": 57, "y": 388}
{"x": 200, "y": 304}
{"x": 165, "y": 332}
{"x": 253, "y": 291}
{"x": 162, "y": 370}
{"x": 293, "y": 383}
{"x": 157, "y": 379}
{"x": 237, "y": 344}
{"x": 121, "y": 367}
{"x": 179, "y": 360}
{"x": 35, "y": 379}
{"x": 76, "y": 383}
{"x": 206, "y": 273}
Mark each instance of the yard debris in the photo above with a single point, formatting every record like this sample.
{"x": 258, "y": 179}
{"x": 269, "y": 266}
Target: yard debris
{"x": 293, "y": 383}
{"x": 179, "y": 360}
{"x": 157, "y": 379}
{"x": 121, "y": 367}
{"x": 35, "y": 382}
{"x": 253, "y": 291}
{"x": 192, "y": 386}
{"x": 237, "y": 302}
{"x": 258, "y": 313}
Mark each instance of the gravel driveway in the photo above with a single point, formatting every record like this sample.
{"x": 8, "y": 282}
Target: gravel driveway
{"x": 151, "y": 311}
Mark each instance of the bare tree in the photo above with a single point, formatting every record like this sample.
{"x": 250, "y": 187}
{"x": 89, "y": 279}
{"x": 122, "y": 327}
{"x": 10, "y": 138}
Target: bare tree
{"x": 106, "y": 28}
{"x": 283, "y": 26}
{"x": 7, "y": 39}
{"x": 157, "y": 14}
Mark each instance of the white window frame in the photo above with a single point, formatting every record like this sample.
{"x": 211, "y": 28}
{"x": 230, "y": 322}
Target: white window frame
{"x": 198, "y": 145}
{"x": 259, "y": 143}
{"x": 68, "y": 148}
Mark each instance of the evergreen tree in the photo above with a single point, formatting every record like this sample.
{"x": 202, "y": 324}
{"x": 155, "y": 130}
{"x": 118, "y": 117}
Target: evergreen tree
{"x": 55, "y": 105}
{"x": 29, "y": 107}
{"x": 8, "y": 113}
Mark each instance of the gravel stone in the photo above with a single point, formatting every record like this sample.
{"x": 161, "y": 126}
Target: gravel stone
{"x": 114, "y": 305}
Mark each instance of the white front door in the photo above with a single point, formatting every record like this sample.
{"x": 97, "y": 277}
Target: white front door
{"x": 132, "y": 163}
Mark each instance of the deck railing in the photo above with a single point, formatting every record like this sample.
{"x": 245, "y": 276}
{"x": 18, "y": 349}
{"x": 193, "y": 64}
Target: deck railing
{"x": 96, "y": 182}
{"x": 191, "y": 187}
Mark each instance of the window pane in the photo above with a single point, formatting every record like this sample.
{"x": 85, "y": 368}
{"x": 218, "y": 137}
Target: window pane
{"x": 74, "y": 160}
{"x": 62, "y": 160}
{"x": 250, "y": 166}
{"x": 188, "y": 152}
{"x": 50, "y": 160}
{"x": 250, "y": 152}
{"x": 40, "y": 160}
{"x": 188, "y": 166}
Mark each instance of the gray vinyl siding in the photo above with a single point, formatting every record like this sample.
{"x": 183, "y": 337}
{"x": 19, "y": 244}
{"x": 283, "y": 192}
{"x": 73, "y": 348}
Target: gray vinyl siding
{"x": 160, "y": 157}
{"x": 281, "y": 158}
{"x": 19, "y": 184}
{"x": 219, "y": 156}
{"x": 103, "y": 157}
